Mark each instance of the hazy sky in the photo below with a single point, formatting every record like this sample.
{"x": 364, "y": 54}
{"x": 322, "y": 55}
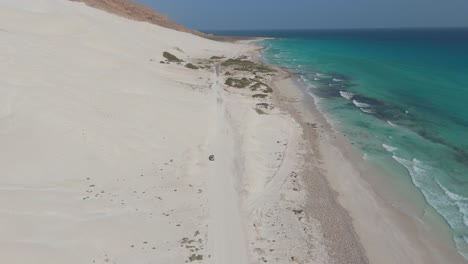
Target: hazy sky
{"x": 308, "y": 14}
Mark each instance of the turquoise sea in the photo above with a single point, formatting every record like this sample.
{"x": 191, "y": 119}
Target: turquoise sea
{"x": 401, "y": 96}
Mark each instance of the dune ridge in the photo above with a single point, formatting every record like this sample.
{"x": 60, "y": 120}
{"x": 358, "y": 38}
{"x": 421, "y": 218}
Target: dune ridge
{"x": 132, "y": 10}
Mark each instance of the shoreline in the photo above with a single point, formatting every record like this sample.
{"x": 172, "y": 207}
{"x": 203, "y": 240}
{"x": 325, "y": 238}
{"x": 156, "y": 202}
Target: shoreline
{"x": 409, "y": 239}
{"x": 339, "y": 234}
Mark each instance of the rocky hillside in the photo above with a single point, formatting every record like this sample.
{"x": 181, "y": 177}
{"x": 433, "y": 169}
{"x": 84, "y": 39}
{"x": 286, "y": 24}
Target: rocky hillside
{"x": 132, "y": 10}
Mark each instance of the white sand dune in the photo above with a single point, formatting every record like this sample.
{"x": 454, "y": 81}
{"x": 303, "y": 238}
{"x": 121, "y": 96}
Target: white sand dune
{"x": 105, "y": 149}
{"x": 101, "y": 144}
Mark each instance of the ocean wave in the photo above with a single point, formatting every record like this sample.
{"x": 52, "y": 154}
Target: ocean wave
{"x": 316, "y": 79}
{"x": 346, "y": 95}
{"x": 460, "y": 201}
{"x": 452, "y": 195}
{"x": 361, "y": 105}
{"x": 389, "y": 148}
{"x": 452, "y": 206}
{"x": 337, "y": 80}
{"x": 367, "y": 110}
{"x": 306, "y": 82}
{"x": 390, "y": 123}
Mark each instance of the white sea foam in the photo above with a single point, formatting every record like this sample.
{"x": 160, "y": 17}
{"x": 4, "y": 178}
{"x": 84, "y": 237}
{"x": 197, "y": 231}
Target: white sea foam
{"x": 337, "y": 80}
{"x": 389, "y": 148}
{"x": 361, "y": 105}
{"x": 460, "y": 201}
{"x": 452, "y": 195}
{"x": 452, "y": 206}
{"x": 346, "y": 95}
{"x": 413, "y": 169}
{"x": 307, "y": 83}
{"x": 367, "y": 110}
{"x": 316, "y": 79}
{"x": 390, "y": 123}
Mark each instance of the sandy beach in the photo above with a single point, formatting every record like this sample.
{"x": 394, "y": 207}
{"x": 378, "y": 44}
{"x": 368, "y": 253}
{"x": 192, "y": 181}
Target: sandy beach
{"x": 114, "y": 151}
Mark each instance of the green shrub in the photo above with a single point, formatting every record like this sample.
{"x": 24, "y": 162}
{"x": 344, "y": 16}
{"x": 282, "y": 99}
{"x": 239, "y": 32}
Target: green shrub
{"x": 263, "y": 105}
{"x": 258, "y": 84}
{"x": 195, "y": 257}
{"x": 267, "y": 89}
{"x": 246, "y": 65}
{"x": 259, "y": 96}
{"x": 191, "y": 66}
{"x": 170, "y": 57}
{"x": 216, "y": 58}
{"x": 238, "y": 83}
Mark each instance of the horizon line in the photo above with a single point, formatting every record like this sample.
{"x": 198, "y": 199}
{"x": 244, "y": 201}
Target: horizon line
{"x": 363, "y": 28}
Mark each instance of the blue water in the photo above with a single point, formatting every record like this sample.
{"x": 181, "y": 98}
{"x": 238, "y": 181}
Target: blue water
{"x": 401, "y": 96}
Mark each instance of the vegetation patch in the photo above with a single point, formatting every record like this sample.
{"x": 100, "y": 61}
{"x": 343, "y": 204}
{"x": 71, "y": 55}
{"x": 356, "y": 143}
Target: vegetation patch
{"x": 170, "y": 57}
{"x": 260, "y": 85}
{"x": 241, "y": 64}
{"x": 260, "y": 106}
{"x": 191, "y": 66}
{"x": 267, "y": 89}
{"x": 216, "y": 58}
{"x": 260, "y": 111}
{"x": 195, "y": 257}
{"x": 258, "y": 77}
{"x": 238, "y": 83}
{"x": 263, "y": 105}
{"x": 256, "y": 86}
{"x": 298, "y": 211}
{"x": 259, "y": 96}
